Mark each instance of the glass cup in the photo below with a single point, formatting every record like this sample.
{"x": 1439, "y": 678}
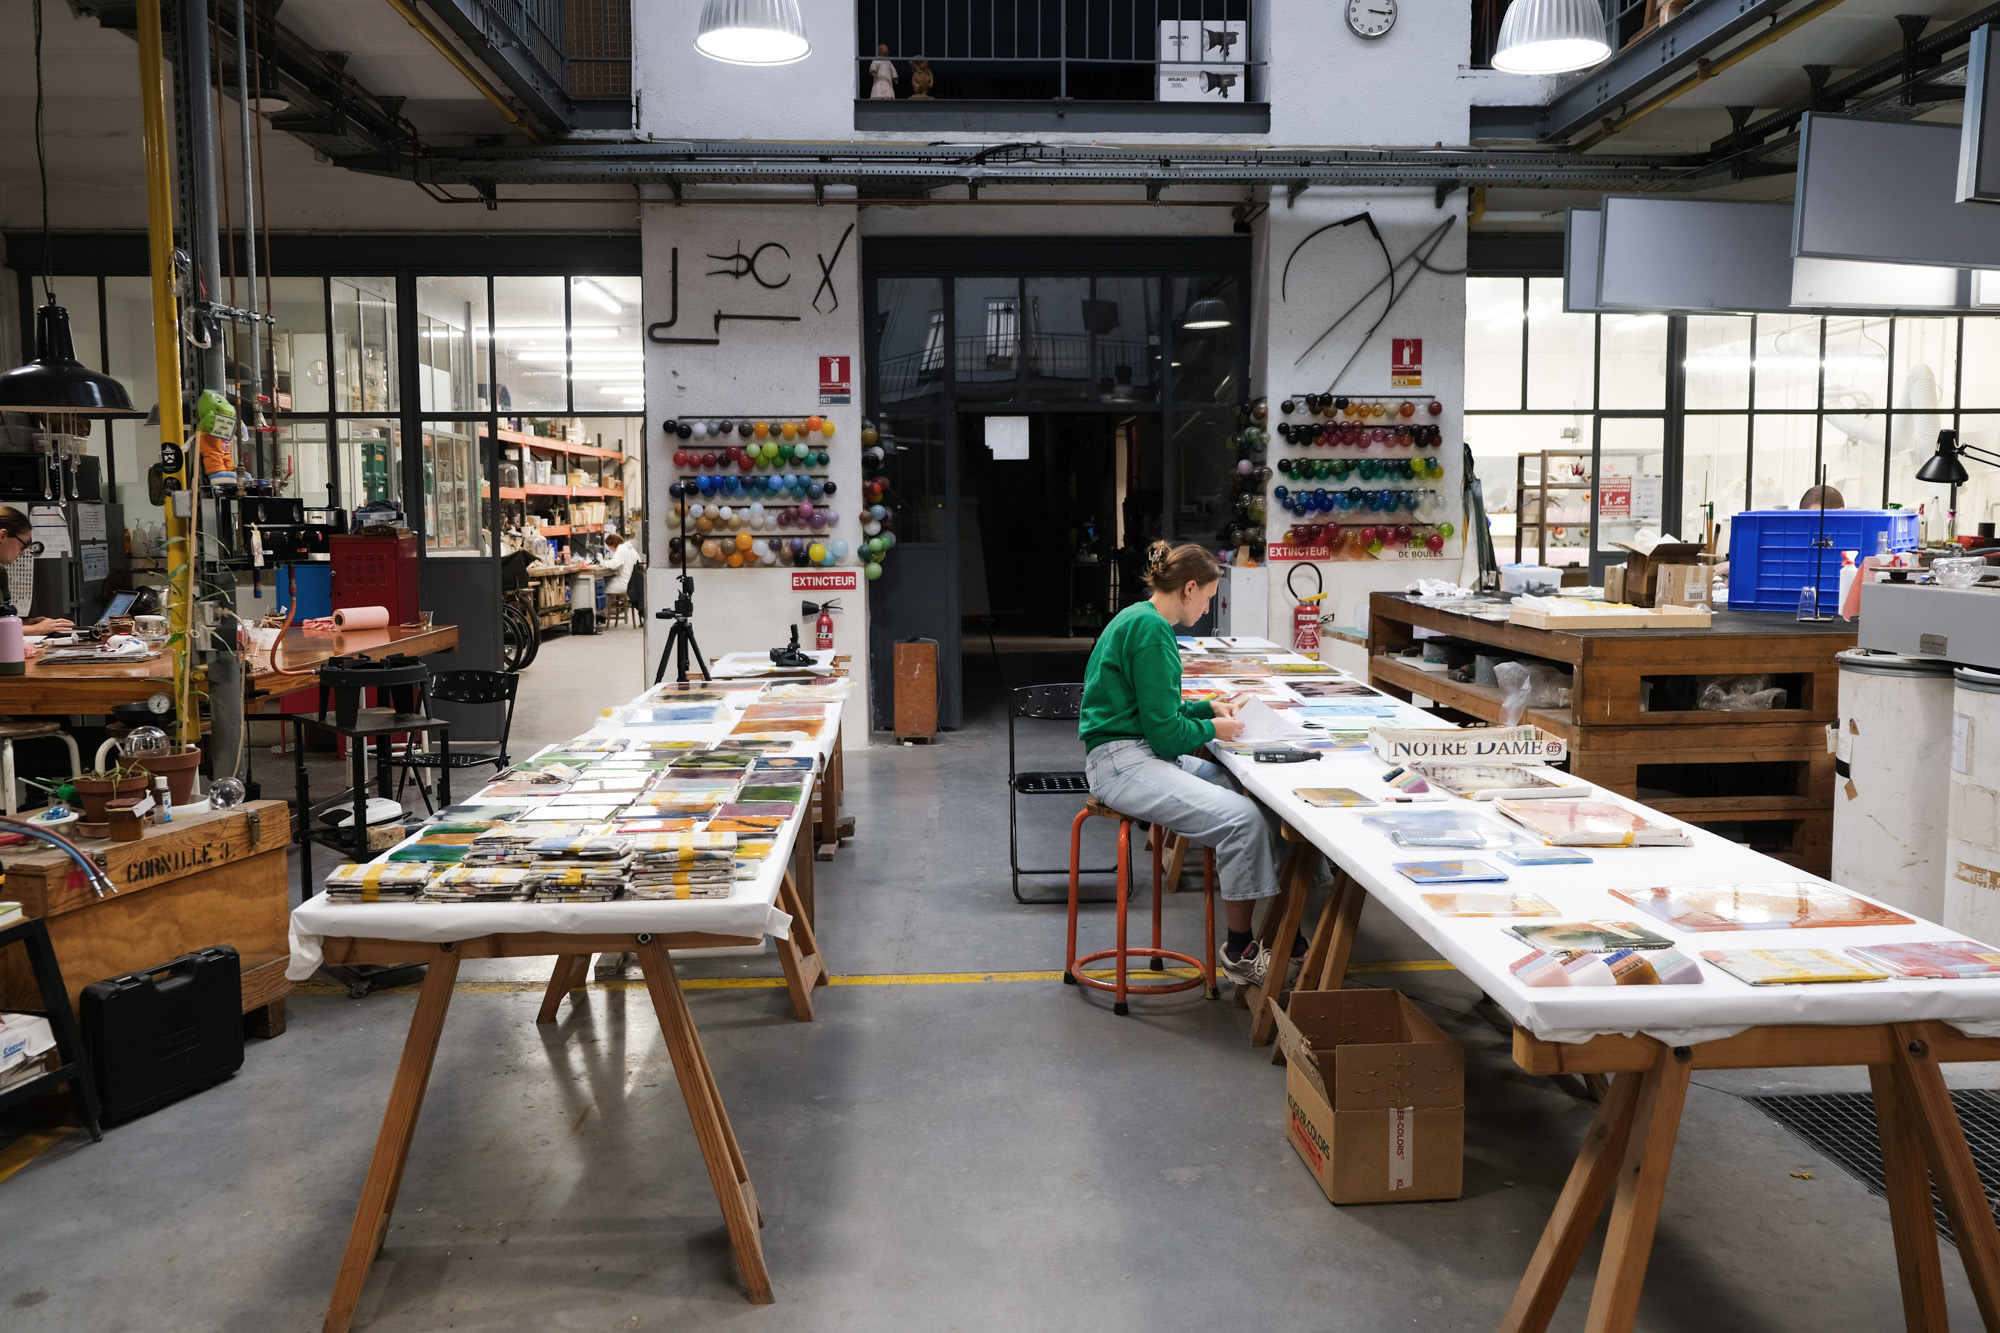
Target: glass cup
{"x": 423, "y": 620}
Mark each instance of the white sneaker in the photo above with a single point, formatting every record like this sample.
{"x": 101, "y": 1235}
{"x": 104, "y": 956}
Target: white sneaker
{"x": 1248, "y": 970}
{"x": 612, "y": 965}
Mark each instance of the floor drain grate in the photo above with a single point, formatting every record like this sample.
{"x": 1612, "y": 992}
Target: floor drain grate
{"x": 1842, "y": 1125}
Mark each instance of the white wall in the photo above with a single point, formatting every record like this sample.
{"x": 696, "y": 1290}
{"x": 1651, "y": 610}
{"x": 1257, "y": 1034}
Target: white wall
{"x": 1325, "y": 85}
{"x": 758, "y": 370}
{"x": 1333, "y": 271}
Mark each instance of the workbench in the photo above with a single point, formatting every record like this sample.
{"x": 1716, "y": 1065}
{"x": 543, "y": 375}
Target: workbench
{"x": 91, "y": 688}
{"x": 1764, "y": 778}
{"x": 216, "y": 877}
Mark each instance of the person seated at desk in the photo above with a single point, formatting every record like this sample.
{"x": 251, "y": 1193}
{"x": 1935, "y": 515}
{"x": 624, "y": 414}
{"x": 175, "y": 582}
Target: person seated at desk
{"x": 1141, "y": 737}
{"x": 623, "y": 558}
{"x": 17, "y": 538}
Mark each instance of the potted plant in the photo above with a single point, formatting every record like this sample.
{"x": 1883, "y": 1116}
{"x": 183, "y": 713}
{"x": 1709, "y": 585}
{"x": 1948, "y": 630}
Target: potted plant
{"x": 177, "y": 765}
{"x": 96, "y": 789}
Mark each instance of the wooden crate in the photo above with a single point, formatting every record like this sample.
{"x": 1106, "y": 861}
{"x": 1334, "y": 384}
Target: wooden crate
{"x": 212, "y": 878}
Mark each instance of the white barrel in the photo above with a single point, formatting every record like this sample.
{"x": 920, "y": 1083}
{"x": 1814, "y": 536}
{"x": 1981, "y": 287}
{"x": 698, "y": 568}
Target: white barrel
{"x": 1890, "y": 792}
{"x": 1972, "y": 854}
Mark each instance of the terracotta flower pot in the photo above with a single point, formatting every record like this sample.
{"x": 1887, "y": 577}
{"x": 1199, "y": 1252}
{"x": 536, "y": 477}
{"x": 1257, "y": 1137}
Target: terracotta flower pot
{"x": 177, "y": 768}
{"x": 94, "y": 794}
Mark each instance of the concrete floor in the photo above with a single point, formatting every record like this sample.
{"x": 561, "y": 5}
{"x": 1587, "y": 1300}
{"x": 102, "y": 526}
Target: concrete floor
{"x": 929, "y": 1153}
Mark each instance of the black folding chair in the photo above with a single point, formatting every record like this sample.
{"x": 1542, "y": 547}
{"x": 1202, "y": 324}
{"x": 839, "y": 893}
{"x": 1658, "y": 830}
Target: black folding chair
{"x": 1044, "y": 703}
{"x": 460, "y": 687}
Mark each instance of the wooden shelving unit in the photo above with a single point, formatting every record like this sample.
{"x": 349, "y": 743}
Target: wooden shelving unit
{"x": 553, "y": 503}
{"x": 1631, "y": 725}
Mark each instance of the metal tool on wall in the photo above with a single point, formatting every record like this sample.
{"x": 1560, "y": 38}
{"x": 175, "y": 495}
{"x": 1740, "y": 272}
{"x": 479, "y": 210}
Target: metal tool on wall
{"x": 745, "y": 266}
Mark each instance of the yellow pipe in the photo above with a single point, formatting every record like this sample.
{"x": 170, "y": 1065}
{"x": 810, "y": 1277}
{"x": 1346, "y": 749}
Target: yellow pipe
{"x": 1708, "y": 69}
{"x": 459, "y": 63}
{"x": 167, "y": 356}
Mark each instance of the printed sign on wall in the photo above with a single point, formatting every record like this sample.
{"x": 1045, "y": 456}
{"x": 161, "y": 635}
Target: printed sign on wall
{"x": 1406, "y": 363}
{"x": 836, "y": 379}
{"x": 840, "y": 582}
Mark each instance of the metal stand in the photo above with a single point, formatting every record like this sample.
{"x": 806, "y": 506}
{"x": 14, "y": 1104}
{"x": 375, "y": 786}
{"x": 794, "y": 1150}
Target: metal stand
{"x": 680, "y": 638}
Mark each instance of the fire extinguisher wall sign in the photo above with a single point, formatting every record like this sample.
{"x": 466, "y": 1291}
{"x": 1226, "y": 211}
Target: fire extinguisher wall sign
{"x": 1306, "y": 611}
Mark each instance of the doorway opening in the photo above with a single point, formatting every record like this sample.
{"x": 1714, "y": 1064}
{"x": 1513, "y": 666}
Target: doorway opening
{"x": 1054, "y": 513}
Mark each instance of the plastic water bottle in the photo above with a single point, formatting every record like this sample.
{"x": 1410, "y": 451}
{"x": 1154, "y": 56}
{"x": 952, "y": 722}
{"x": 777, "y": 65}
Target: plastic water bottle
{"x": 13, "y": 644}
{"x": 1809, "y": 603}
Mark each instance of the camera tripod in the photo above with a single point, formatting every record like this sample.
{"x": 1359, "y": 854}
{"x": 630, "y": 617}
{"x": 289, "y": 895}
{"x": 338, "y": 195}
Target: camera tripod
{"x": 680, "y": 637}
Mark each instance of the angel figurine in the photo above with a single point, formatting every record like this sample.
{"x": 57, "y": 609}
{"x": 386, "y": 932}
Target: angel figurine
{"x": 883, "y": 71}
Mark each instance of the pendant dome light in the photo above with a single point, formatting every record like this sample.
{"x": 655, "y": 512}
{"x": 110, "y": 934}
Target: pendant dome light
{"x": 1551, "y": 37}
{"x": 753, "y": 32}
{"x": 55, "y": 383}
{"x": 1210, "y": 312}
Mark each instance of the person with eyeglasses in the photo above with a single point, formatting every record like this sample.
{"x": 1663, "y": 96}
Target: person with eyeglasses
{"x": 17, "y": 538}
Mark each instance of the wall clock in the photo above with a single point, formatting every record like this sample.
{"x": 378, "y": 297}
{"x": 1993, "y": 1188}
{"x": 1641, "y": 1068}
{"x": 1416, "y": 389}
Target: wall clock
{"x": 1371, "y": 18}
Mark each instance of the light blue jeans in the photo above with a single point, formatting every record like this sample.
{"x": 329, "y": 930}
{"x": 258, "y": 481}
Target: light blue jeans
{"x": 1197, "y": 800}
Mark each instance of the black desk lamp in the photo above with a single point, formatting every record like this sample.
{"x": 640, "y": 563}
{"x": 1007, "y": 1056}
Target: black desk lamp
{"x": 1944, "y": 468}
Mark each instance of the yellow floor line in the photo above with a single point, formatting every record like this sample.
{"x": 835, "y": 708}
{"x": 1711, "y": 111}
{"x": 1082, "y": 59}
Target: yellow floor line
{"x": 27, "y": 1148}
{"x": 872, "y": 979}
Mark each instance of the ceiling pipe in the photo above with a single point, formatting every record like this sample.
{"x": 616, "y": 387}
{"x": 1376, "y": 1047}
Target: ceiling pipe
{"x": 1708, "y": 69}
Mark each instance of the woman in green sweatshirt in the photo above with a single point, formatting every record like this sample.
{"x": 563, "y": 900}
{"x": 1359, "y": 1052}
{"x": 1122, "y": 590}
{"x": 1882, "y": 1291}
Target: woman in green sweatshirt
{"x": 1141, "y": 737}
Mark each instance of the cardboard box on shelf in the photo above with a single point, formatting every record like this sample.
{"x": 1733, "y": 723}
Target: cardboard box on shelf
{"x": 1644, "y": 561}
{"x": 1681, "y": 585}
{"x": 1374, "y": 1097}
{"x": 1614, "y": 583}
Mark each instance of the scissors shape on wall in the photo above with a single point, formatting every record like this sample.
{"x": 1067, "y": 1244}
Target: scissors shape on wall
{"x": 745, "y": 266}
{"x": 826, "y": 274}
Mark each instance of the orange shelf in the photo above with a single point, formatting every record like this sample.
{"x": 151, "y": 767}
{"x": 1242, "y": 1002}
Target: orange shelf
{"x": 555, "y": 446}
{"x": 544, "y": 490}
{"x": 513, "y": 493}
{"x": 564, "y": 529}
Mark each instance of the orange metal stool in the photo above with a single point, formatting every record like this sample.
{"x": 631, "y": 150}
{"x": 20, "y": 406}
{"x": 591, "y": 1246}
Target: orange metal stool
{"x": 1122, "y": 988}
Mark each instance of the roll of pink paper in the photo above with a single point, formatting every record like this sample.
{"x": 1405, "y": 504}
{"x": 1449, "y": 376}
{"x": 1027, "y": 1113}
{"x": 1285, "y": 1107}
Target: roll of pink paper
{"x": 361, "y": 617}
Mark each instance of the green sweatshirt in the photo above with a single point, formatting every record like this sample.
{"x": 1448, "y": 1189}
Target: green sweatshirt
{"x": 1132, "y": 688}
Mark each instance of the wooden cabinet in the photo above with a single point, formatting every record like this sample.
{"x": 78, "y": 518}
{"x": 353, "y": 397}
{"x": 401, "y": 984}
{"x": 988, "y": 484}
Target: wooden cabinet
{"x": 212, "y": 878}
{"x": 1764, "y": 778}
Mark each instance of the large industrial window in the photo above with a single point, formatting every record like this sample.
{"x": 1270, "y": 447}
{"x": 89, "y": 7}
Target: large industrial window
{"x": 542, "y": 373}
{"x": 1586, "y": 428}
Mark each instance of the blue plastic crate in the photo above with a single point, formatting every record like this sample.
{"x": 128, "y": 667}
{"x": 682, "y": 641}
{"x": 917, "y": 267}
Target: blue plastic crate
{"x": 1772, "y": 553}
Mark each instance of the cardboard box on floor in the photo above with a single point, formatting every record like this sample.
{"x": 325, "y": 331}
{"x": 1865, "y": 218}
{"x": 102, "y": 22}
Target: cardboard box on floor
{"x": 1374, "y": 1096}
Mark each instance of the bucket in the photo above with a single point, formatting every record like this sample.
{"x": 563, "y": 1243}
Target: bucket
{"x": 1972, "y": 853}
{"x": 1890, "y": 789}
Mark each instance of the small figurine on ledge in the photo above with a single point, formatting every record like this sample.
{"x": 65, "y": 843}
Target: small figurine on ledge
{"x": 920, "y": 79}
{"x": 883, "y": 71}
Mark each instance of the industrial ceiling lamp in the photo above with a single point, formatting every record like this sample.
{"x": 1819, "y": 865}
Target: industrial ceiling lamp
{"x": 1208, "y": 313}
{"x": 753, "y": 32}
{"x": 1551, "y": 37}
{"x": 55, "y": 383}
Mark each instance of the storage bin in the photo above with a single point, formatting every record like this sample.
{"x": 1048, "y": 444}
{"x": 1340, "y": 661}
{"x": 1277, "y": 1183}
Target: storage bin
{"x": 1772, "y": 555}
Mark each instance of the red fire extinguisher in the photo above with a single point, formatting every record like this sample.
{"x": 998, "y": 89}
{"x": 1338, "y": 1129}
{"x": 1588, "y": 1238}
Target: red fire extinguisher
{"x": 823, "y": 627}
{"x": 1306, "y": 612}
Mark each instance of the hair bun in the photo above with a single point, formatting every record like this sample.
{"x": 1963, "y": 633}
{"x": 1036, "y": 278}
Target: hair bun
{"x": 1156, "y": 557}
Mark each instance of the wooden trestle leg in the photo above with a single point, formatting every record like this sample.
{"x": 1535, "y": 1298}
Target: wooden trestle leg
{"x": 726, "y": 1170}
{"x": 392, "y": 1145}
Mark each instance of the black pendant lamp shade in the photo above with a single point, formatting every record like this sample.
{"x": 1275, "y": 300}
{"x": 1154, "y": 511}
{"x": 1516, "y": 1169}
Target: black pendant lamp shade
{"x": 55, "y": 383}
{"x": 1943, "y": 468}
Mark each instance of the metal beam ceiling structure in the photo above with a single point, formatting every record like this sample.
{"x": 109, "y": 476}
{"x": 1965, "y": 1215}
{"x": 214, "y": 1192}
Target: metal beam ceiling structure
{"x": 933, "y": 166}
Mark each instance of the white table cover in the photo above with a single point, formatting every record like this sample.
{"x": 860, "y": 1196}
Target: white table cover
{"x": 1482, "y": 948}
{"x": 750, "y": 911}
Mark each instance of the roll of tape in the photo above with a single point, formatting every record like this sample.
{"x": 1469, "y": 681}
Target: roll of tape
{"x": 361, "y": 617}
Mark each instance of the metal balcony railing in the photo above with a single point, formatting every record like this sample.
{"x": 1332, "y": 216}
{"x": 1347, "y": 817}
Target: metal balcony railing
{"x": 998, "y": 357}
{"x": 1083, "y": 50}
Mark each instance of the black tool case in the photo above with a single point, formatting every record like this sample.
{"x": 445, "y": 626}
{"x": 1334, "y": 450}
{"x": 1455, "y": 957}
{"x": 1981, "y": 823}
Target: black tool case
{"x": 155, "y": 1036}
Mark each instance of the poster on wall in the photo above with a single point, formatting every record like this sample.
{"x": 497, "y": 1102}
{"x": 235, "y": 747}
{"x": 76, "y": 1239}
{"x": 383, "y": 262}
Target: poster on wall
{"x": 1406, "y": 363}
{"x": 1614, "y": 499}
{"x": 836, "y": 379}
